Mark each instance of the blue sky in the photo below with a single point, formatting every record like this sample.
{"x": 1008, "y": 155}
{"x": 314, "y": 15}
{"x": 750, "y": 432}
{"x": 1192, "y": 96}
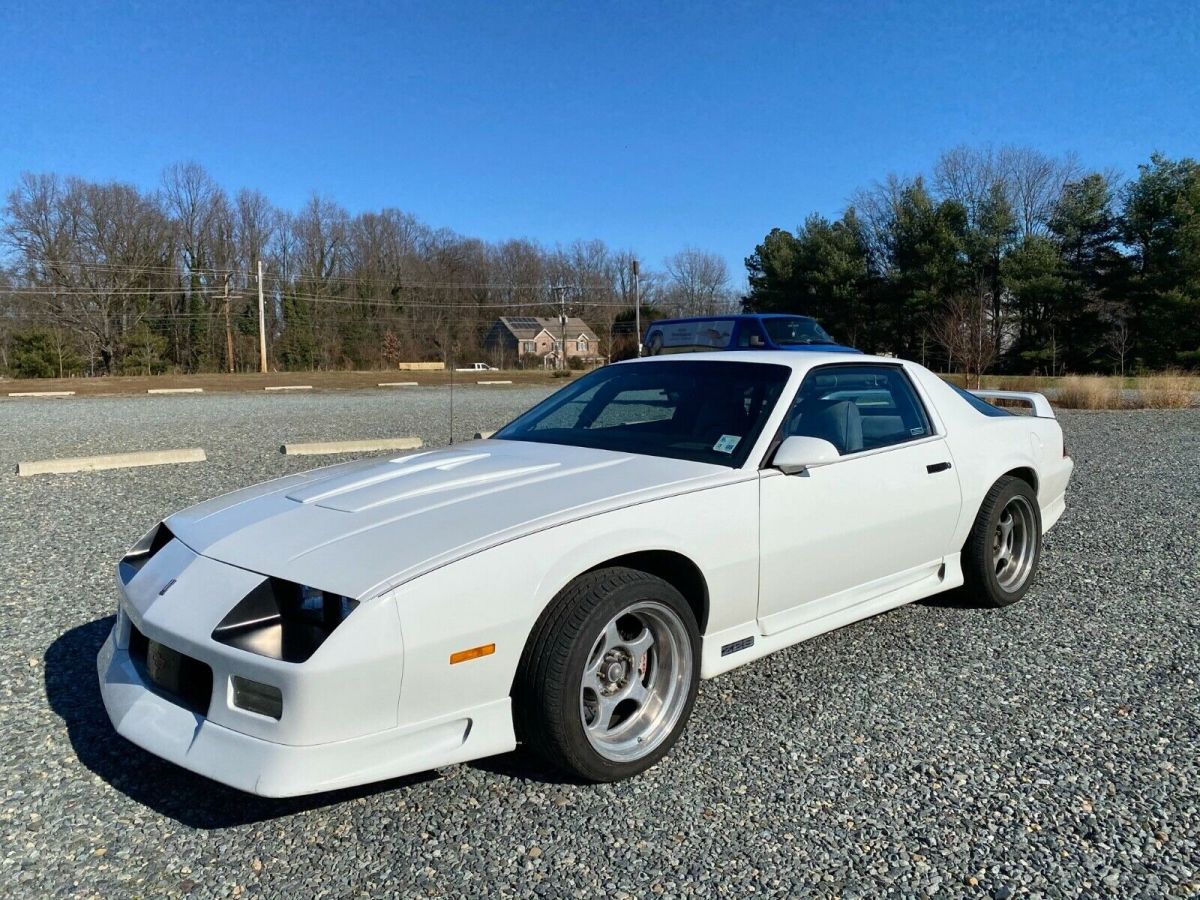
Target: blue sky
{"x": 650, "y": 126}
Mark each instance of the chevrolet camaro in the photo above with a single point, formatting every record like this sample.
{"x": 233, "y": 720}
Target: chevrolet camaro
{"x": 565, "y": 584}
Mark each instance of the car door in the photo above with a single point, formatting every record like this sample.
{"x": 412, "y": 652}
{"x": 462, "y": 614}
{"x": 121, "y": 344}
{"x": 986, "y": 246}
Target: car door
{"x": 876, "y": 519}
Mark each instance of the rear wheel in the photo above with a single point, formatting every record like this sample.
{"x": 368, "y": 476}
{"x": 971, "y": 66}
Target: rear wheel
{"x": 609, "y": 678}
{"x": 1001, "y": 554}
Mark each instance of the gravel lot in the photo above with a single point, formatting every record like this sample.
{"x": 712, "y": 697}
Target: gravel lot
{"x": 1048, "y": 749}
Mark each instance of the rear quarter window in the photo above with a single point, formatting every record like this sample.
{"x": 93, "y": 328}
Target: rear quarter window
{"x": 979, "y": 404}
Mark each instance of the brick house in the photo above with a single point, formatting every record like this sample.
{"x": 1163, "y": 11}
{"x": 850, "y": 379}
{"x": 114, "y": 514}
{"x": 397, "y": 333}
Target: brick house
{"x": 513, "y": 337}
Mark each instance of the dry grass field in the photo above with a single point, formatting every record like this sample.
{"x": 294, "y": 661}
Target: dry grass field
{"x": 1090, "y": 392}
{"x": 252, "y": 381}
{"x": 1166, "y": 390}
{"x": 1172, "y": 389}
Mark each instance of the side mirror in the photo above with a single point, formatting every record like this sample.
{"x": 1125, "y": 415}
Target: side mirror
{"x": 801, "y": 452}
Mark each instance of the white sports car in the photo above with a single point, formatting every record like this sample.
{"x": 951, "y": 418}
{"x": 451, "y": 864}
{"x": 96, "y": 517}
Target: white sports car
{"x": 566, "y": 583}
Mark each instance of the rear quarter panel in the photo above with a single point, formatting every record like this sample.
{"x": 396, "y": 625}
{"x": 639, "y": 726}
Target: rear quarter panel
{"x": 985, "y": 448}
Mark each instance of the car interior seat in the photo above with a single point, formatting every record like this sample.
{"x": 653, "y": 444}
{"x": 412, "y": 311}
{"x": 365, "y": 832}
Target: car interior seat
{"x": 838, "y": 422}
{"x": 722, "y": 413}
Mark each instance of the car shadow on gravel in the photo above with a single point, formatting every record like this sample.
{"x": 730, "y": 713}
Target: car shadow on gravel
{"x": 523, "y": 765}
{"x": 192, "y": 800}
{"x": 957, "y": 598}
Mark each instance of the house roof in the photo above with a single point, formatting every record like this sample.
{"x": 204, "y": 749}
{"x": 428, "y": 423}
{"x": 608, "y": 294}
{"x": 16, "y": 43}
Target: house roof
{"x": 526, "y": 328}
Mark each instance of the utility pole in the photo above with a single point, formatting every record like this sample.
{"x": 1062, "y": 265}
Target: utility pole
{"x": 562, "y": 325}
{"x": 228, "y": 329}
{"x": 262, "y": 325}
{"x": 637, "y": 307}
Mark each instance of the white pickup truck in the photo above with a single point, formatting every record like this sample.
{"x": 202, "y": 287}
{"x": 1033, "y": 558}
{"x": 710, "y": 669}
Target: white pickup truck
{"x": 477, "y": 367}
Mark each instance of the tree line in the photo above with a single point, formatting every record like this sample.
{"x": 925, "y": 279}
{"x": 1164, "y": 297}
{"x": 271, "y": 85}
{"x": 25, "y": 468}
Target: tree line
{"x": 105, "y": 278}
{"x": 1004, "y": 259}
{"x": 1007, "y": 259}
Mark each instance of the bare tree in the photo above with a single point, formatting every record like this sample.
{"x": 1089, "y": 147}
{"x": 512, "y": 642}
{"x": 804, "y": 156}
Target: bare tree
{"x": 522, "y": 272}
{"x": 968, "y": 175}
{"x": 1032, "y": 181}
{"x": 1035, "y": 182}
{"x": 876, "y": 207}
{"x": 698, "y": 283}
{"x": 254, "y": 227}
{"x": 1118, "y": 338}
{"x": 196, "y": 205}
{"x": 96, "y": 253}
{"x": 191, "y": 198}
{"x": 589, "y": 277}
{"x": 965, "y": 333}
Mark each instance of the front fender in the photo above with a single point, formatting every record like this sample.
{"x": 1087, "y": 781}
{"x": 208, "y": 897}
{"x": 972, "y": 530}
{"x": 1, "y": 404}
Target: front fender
{"x": 496, "y": 596}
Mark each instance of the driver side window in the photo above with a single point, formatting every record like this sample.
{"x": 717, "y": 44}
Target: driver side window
{"x": 858, "y": 408}
{"x": 750, "y": 335}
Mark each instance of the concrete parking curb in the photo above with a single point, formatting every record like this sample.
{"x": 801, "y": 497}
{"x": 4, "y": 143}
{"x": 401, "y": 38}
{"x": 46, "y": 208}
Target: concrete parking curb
{"x": 41, "y": 394}
{"x": 493, "y": 382}
{"x": 289, "y": 387}
{"x": 320, "y": 448}
{"x": 398, "y": 384}
{"x": 110, "y": 461}
{"x": 175, "y": 391}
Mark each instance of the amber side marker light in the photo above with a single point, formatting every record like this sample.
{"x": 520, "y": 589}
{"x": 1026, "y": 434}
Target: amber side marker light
{"x": 473, "y": 653}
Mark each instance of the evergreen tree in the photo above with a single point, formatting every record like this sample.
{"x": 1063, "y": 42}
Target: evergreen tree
{"x": 1162, "y": 225}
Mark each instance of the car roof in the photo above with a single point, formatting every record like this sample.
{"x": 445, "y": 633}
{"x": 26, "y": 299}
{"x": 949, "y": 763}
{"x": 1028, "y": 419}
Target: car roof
{"x": 799, "y": 361}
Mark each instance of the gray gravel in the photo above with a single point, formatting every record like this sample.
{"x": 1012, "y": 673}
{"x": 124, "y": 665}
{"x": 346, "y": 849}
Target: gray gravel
{"x": 1048, "y": 749}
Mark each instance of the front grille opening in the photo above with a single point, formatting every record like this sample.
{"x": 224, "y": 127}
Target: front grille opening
{"x": 170, "y": 674}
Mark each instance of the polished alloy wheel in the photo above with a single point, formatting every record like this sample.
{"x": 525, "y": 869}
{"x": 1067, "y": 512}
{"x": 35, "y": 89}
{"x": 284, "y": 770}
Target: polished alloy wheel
{"x": 1014, "y": 545}
{"x": 635, "y": 682}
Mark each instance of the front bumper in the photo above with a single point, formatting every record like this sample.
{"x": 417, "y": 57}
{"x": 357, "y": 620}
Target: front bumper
{"x": 340, "y": 722}
{"x": 269, "y": 769}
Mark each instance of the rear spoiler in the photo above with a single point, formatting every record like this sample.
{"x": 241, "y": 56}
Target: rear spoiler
{"x": 1036, "y": 402}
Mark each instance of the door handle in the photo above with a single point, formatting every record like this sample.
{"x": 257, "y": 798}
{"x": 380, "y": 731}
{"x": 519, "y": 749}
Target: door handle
{"x": 934, "y": 468}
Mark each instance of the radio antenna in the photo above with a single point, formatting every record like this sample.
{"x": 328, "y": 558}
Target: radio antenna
{"x": 452, "y": 364}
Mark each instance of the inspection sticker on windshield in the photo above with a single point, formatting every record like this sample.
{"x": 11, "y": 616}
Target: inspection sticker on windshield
{"x": 726, "y": 442}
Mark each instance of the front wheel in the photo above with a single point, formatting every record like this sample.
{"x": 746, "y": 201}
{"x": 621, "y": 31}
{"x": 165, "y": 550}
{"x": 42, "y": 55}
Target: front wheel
{"x": 1001, "y": 554}
{"x": 607, "y": 682}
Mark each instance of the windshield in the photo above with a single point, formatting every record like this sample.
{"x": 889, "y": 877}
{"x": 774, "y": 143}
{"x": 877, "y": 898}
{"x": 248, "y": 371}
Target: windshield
{"x": 709, "y": 412}
{"x": 796, "y": 330}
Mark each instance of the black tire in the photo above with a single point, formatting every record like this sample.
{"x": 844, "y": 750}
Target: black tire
{"x": 987, "y": 580}
{"x": 547, "y": 691}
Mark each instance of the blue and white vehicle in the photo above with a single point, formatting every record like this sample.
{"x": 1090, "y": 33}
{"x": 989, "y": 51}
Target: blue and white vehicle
{"x": 751, "y": 331}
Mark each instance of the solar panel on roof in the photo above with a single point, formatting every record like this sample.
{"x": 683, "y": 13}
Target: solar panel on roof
{"x": 524, "y": 322}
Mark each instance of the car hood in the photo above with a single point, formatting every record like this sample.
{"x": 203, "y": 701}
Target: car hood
{"x": 358, "y": 528}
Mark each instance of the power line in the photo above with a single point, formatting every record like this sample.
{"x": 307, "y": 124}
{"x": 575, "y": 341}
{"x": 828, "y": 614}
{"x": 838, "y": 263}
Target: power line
{"x": 402, "y": 286}
{"x": 49, "y": 294}
{"x": 548, "y": 285}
